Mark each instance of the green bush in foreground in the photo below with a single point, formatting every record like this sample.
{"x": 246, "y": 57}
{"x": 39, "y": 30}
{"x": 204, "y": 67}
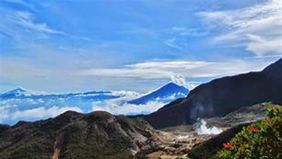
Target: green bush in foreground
{"x": 262, "y": 140}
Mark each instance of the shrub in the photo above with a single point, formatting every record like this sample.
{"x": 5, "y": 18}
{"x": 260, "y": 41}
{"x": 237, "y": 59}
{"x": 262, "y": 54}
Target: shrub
{"x": 262, "y": 140}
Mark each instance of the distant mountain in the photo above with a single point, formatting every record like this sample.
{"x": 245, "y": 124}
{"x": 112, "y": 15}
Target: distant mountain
{"x": 14, "y": 93}
{"x": 222, "y": 96}
{"x": 21, "y": 93}
{"x": 166, "y": 93}
{"x": 73, "y": 135}
{"x": 21, "y": 104}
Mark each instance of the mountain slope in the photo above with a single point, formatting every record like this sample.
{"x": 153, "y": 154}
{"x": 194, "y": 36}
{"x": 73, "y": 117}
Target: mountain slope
{"x": 249, "y": 140}
{"x": 222, "y": 96}
{"x": 74, "y": 135}
{"x": 165, "y": 93}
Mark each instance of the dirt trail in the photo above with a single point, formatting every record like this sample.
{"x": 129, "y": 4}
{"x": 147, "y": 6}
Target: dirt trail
{"x": 58, "y": 146}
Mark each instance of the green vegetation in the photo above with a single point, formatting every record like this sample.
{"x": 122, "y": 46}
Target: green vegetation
{"x": 262, "y": 140}
{"x": 95, "y": 140}
{"x": 97, "y": 135}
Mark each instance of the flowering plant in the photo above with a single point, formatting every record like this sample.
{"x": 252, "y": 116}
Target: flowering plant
{"x": 228, "y": 146}
{"x": 262, "y": 139}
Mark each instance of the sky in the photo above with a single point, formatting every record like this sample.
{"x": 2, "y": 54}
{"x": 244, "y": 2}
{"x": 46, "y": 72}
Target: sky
{"x": 139, "y": 45}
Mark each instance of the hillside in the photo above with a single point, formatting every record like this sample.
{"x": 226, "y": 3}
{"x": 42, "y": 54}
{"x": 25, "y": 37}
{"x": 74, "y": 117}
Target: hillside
{"x": 74, "y": 135}
{"x": 249, "y": 140}
{"x": 222, "y": 96}
{"x": 102, "y": 135}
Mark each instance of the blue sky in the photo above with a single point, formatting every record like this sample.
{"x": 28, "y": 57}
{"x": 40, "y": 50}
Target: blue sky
{"x": 75, "y": 45}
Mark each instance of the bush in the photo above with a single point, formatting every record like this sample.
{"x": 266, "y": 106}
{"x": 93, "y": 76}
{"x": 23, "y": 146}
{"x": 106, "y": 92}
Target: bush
{"x": 262, "y": 140}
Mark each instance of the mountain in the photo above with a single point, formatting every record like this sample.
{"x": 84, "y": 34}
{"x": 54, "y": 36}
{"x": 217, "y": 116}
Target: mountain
{"x": 27, "y": 103}
{"x": 22, "y": 101}
{"x": 222, "y": 96}
{"x": 14, "y": 93}
{"x": 166, "y": 93}
{"x": 4, "y": 127}
{"x": 74, "y": 135}
{"x": 24, "y": 93}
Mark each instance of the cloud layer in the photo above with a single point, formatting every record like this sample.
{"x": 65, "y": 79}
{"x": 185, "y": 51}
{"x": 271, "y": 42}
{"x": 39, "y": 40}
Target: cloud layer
{"x": 257, "y": 28}
{"x": 117, "y": 108}
{"x": 33, "y": 114}
{"x": 184, "y": 69}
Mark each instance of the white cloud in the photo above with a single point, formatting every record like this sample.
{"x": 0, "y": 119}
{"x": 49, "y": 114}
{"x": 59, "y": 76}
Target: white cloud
{"x": 42, "y": 112}
{"x": 186, "y": 69}
{"x": 146, "y": 70}
{"x": 120, "y": 105}
{"x": 6, "y": 114}
{"x": 127, "y": 94}
{"x": 189, "y": 32}
{"x": 26, "y": 20}
{"x": 23, "y": 27}
{"x": 126, "y": 108}
{"x": 3, "y": 114}
{"x": 261, "y": 46}
{"x": 179, "y": 36}
{"x": 258, "y": 27}
{"x": 172, "y": 42}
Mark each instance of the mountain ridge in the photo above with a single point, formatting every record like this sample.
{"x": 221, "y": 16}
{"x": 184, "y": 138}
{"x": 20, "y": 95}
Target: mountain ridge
{"x": 76, "y": 135}
{"x": 221, "y": 96}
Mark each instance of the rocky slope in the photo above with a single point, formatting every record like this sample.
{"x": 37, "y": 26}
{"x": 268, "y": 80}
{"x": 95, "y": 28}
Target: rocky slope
{"x": 74, "y": 135}
{"x": 214, "y": 144}
{"x": 258, "y": 139}
{"x": 4, "y": 127}
{"x": 222, "y": 96}
{"x": 184, "y": 139}
{"x": 98, "y": 135}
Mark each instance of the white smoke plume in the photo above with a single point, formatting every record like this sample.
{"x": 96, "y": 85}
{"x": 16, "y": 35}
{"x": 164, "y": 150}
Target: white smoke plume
{"x": 202, "y": 129}
{"x": 179, "y": 79}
